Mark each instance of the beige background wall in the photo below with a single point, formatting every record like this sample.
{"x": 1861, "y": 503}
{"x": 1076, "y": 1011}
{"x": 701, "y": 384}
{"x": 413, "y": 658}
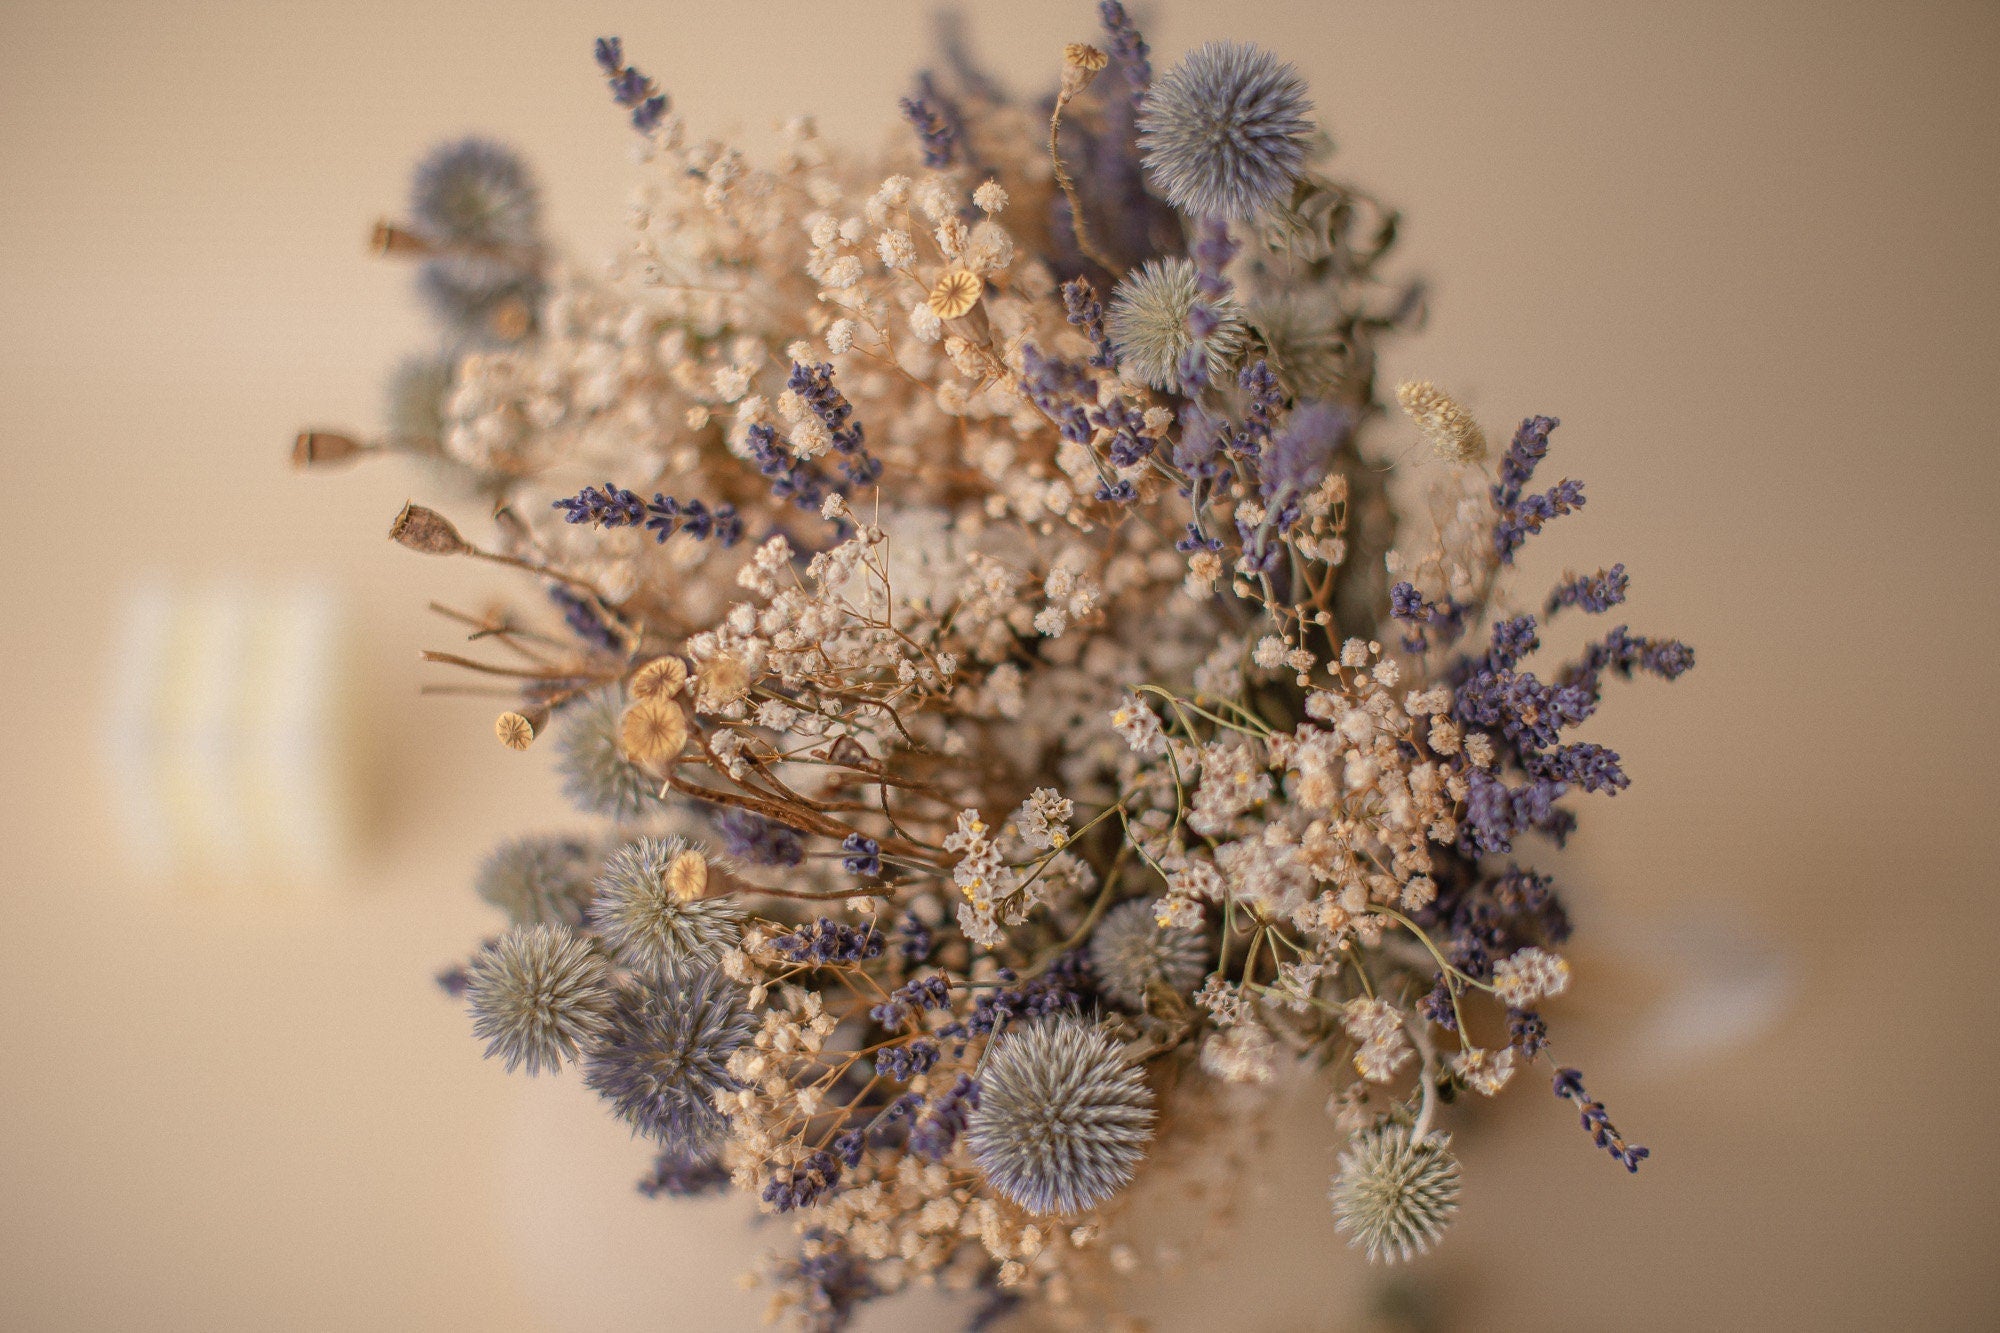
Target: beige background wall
{"x": 1747, "y": 251}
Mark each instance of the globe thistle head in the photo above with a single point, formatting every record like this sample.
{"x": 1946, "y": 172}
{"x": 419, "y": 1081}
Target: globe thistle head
{"x": 1150, "y": 326}
{"x": 538, "y": 995}
{"x": 475, "y": 194}
{"x": 538, "y": 880}
{"x": 1062, "y": 1122}
{"x": 1301, "y": 342}
{"x": 1394, "y": 1195}
{"x": 1224, "y": 133}
{"x": 482, "y": 304}
{"x": 643, "y": 912}
{"x": 1131, "y": 951}
{"x": 666, "y": 1056}
{"x": 596, "y": 775}
{"x": 415, "y": 398}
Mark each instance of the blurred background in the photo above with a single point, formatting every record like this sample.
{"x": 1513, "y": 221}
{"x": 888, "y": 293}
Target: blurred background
{"x": 1747, "y": 252}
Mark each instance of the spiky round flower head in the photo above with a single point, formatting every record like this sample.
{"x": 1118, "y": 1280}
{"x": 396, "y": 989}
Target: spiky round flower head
{"x": 1132, "y": 951}
{"x": 538, "y": 995}
{"x": 1148, "y": 322}
{"x": 667, "y": 1053}
{"x": 1301, "y": 341}
{"x": 1062, "y": 1122}
{"x": 1224, "y": 132}
{"x": 1395, "y": 1196}
{"x": 415, "y": 402}
{"x": 596, "y": 775}
{"x": 483, "y": 308}
{"x": 475, "y": 194}
{"x": 539, "y": 879}
{"x": 642, "y": 913}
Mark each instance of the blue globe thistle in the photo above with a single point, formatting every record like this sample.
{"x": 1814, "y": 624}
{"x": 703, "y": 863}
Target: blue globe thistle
{"x": 475, "y": 194}
{"x": 596, "y": 775}
{"x": 1149, "y": 322}
{"x": 538, "y": 995}
{"x": 641, "y": 918}
{"x": 1062, "y": 1122}
{"x": 475, "y": 203}
{"x": 415, "y": 398}
{"x": 1224, "y": 133}
{"x": 1301, "y": 340}
{"x": 538, "y": 880}
{"x": 482, "y": 308}
{"x": 1131, "y": 951}
{"x": 1393, "y": 1195}
{"x": 666, "y": 1056}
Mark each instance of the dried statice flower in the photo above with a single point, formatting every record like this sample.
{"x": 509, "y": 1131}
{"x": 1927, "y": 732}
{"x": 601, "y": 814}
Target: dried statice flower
{"x": 1131, "y": 952}
{"x": 537, "y": 880}
{"x": 1394, "y": 1195}
{"x": 1062, "y": 1122}
{"x": 1152, "y": 324}
{"x": 644, "y": 915}
{"x": 596, "y": 775}
{"x": 537, "y": 996}
{"x": 666, "y": 1053}
{"x": 1224, "y": 132}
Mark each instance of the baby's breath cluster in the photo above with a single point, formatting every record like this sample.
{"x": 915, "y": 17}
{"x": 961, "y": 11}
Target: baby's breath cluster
{"x": 961, "y": 587}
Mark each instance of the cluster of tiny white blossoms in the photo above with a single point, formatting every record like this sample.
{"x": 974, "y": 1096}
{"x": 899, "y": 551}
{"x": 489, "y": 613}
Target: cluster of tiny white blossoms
{"x": 964, "y": 604}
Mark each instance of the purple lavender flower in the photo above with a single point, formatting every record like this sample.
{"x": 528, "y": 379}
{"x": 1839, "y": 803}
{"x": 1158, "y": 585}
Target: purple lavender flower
{"x": 1590, "y": 592}
{"x": 761, "y": 841}
{"x": 630, "y": 88}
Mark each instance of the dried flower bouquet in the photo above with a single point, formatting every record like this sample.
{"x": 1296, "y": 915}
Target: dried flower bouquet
{"x": 968, "y": 607}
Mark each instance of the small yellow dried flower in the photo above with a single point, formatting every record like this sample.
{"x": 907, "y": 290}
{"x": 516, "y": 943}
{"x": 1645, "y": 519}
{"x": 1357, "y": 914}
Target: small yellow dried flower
{"x": 652, "y": 730}
{"x": 428, "y": 531}
{"x": 954, "y": 294}
{"x": 517, "y": 730}
{"x": 687, "y": 876}
{"x": 660, "y": 678}
{"x": 1447, "y": 427}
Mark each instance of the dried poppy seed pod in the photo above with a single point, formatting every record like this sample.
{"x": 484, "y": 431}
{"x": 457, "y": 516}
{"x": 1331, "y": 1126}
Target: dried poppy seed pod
{"x": 660, "y": 678}
{"x": 687, "y": 876}
{"x": 517, "y": 730}
{"x": 954, "y": 294}
{"x": 652, "y": 731}
{"x": 428, "y": 531}
{"x": 1081, "y": 64}
{"x": 390, "y": 239}
{"x": 321, "y": 448}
